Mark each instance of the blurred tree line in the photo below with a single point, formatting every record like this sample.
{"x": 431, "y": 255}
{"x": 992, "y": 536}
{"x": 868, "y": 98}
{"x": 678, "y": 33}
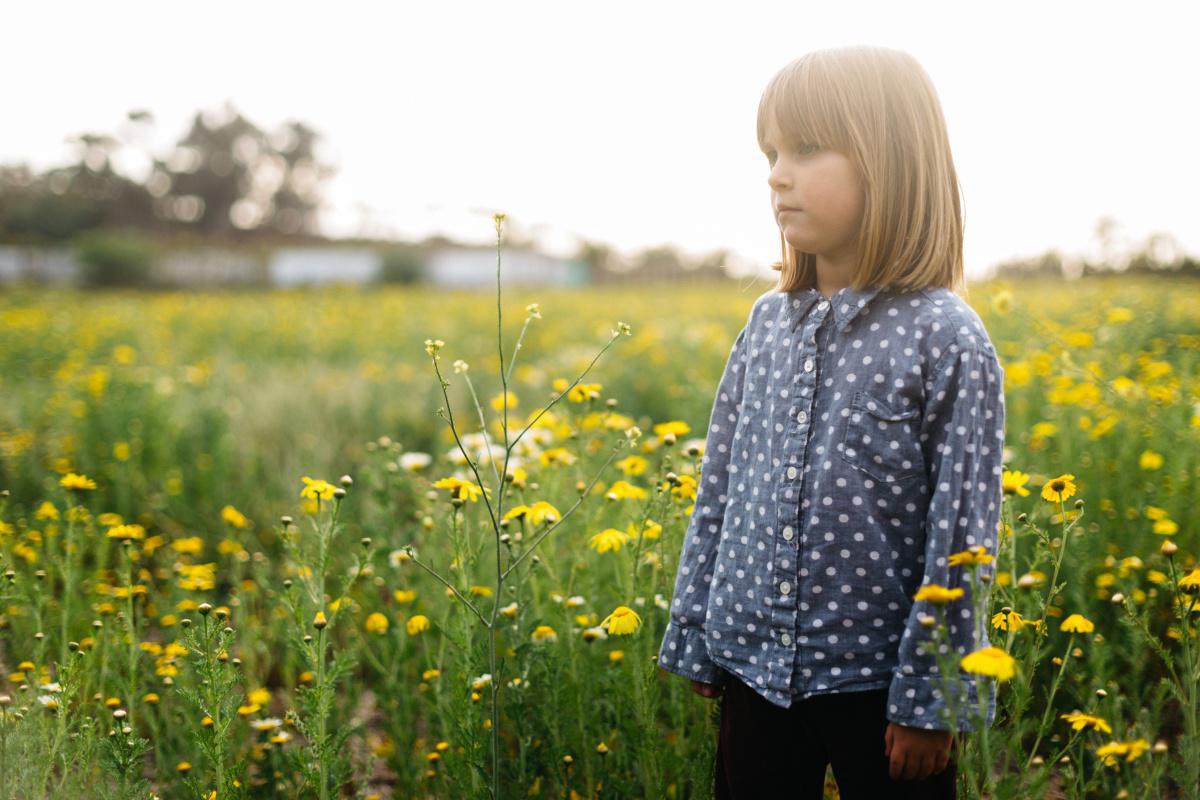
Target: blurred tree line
{"x": 228, "y": 182}
{"x": 226, "y": 178}
{"x": 1159, "y": 254}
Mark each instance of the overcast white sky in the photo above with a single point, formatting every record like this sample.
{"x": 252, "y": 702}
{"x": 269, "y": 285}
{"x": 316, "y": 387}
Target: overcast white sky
{"x": 632, "y": 122}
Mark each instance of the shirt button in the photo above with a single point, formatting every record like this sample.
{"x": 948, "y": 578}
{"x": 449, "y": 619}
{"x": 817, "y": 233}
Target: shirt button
{"x": 802, "y": 417}
{"x": 791, "y": 472}
{"x": 785, "y": 587}
{"x": 787, "y": 533}
{"x": 787, "y": 640}
{"x": 808, "y": 365}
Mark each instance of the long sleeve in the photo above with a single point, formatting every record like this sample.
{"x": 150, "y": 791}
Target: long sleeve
{"x": 962, "y": 436}
{"x": 683, "y": 650}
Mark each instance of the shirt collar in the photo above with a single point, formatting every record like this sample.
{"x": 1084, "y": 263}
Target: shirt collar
{"x": 847, "y": 303}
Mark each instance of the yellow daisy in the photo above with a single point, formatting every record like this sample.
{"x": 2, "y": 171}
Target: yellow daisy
{"x": 622, "y": 620}
{"x": 937, "y": 595}
{"x": 991, "y": 661}
{"x": 1079, "y": 721}
{"x": 1058, "y": 489}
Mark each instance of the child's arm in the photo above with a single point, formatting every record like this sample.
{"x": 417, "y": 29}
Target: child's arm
{"x": 683, "y": 650}
{"x": 963, "y": 439}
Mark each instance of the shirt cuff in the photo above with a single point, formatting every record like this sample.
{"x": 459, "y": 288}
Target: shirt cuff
{"x": 918, "y": 701}
{"x": 685, "y": 653}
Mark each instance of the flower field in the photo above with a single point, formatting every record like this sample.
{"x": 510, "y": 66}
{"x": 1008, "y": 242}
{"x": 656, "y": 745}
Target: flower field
{"x": 245, "y": 554}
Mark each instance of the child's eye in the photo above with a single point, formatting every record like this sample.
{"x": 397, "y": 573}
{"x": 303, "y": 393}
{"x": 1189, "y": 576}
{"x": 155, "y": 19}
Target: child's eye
{"x": 805, "y": 149}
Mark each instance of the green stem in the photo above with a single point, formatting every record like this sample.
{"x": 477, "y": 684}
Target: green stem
{"x": 133, "y": 644}
{"x": 324, "y": 788}
{"x": 67, "y": 589}
{"x": 1050, "y": 700}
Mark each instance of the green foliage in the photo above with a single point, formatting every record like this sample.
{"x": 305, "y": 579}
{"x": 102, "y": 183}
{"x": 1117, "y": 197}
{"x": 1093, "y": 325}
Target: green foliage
{"x": 403, "y": 264}
{"x": 113, "y": 258}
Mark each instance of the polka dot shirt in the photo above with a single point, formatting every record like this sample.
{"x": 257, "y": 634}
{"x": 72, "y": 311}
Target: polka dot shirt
{"x": 855, "y": 442}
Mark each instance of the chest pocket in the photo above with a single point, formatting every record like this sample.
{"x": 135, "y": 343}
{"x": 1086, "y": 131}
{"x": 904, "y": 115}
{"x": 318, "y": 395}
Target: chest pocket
{"x": 881, "y": 442}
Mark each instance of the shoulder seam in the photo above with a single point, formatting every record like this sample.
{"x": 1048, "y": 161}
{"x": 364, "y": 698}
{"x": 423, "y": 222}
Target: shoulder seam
{"x": 963, "y": 346}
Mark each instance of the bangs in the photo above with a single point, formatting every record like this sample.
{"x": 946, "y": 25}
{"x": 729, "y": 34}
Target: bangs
{"x": 803, "y": 108}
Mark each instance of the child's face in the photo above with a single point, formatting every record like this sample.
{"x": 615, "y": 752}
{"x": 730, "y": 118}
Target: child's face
{"x": 825, "y": 186}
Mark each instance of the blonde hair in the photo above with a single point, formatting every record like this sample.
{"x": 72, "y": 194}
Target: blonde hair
{"x": 878, "y": 107}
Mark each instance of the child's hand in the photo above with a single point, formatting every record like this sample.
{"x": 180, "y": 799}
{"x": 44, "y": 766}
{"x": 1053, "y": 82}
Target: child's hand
{"x": 916, "y": 753}
{"x": 706, "y": 689}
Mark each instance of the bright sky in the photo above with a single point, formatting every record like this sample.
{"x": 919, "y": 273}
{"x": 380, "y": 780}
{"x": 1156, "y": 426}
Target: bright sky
{"x": 632, "y": 123}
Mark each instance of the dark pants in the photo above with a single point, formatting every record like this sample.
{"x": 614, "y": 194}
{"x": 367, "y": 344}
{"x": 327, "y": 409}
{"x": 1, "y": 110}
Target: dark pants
{"x": 764, "y": 751}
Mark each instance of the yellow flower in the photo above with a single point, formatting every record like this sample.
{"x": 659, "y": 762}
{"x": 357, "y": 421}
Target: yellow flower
{"x": 416, "y": 624}
{"x": 1165, "y": 527}
{"x": 192, "y": 545}
{"x": 127, "y": 532}
{"x": 623, "y": 490}
{"x": 1131, "y": 749}
{"x": 653, "y": 530}
{"x": 539, "y": 512}
{"x": 376, "y": 623}
{"x": 260, "y": 696}
{"x": 317, "y": 489}
{"x": 1058, "y": 489}
{"x": 622, "y": 620}
{"x": 677, "y": 427}
{"x": 991, "y": 661}
{"x": 1190, "y": 583}
{"x": 319, "y": 620}
{"x": 686, "y": 490}
{"x": 556, "y": 455}
{"x": 1012, "y": 621}
{"x": 937, "y": 595}
{"x": 233, "y": 517}
{"x": 1150, "y": 460}
{"x": 608, "y": 539}
{"x": 1031, "y": 579}
{"x": 1079, "y": 721}
{"x": 970, "y": 557}
{"x": 581, "y": 392}
{"x": 519, "y": 476}
{"x": 1014, "y": 481}
{"x": 460, "y": 489}
{"x": 498, "y": 401}
{"x": 544, "y": 633}
{"x": 1077, "y": 623}
{"x": 632, "y": 465}
{"x": 46, "y": 511}
{"x": 73, "y": 481}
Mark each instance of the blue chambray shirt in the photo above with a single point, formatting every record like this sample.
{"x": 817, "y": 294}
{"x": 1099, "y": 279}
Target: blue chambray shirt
{"x": 855, "y": 443}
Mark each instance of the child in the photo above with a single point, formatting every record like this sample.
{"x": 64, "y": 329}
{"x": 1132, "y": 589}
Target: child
{"x": 855, "y": 443}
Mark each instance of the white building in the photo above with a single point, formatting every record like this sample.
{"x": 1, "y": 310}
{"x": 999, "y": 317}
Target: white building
{"x": 466, "y": 267}
{"x": 292, "y": 266}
